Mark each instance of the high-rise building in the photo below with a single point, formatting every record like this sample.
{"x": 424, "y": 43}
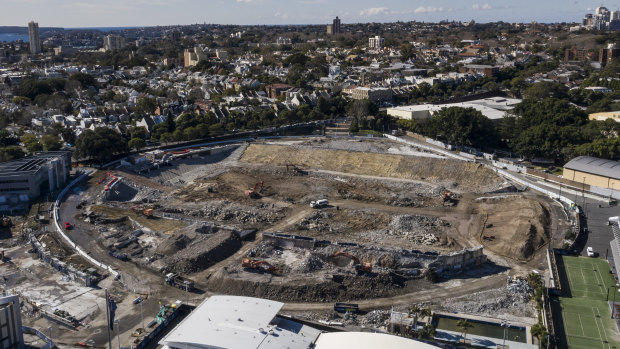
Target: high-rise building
{"x": 336, "y": 26}
{"x": 113, "y": 42}
{"x": 375, "y": 42}
{"x": 606, "y": 55}
{"x": 33, "y": 36}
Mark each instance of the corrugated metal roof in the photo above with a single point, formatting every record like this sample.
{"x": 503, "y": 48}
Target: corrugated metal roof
{"x": 592, "y": 165}
{"x": 234, "y": 322}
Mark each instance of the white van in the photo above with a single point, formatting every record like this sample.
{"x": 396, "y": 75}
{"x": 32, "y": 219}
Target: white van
{"x": 319, "y": 203}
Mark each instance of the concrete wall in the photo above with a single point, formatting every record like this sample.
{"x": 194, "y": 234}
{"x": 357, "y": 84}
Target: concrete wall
{"x": 74, "y": 274}
{"x": 11, "y": 336}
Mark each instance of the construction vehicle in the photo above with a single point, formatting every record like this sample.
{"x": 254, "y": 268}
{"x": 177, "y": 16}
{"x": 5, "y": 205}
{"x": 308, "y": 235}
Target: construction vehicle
{"x": 6, "y": 222}
{"x": 260, "y": 266}
{"x": 145, "y": 211}
{"x": 447, "y": 198}
{"x": 319, "y": 203}
{"x": 360, "y": 267}
{"x": 179, "y": 282}
{"x": 252, "y": 192}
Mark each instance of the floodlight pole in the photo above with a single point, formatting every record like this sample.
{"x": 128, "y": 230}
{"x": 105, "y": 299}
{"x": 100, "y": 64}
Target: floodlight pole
{"x": 613, "y": 307}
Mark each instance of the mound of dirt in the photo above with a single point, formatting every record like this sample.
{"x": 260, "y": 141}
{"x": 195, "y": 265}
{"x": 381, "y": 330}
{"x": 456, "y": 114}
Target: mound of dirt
{"x": 203, "y": 252}
{"x": 515, "y": 227}
{"x": 434, "y": 170}
{"x": 348, "y": 287}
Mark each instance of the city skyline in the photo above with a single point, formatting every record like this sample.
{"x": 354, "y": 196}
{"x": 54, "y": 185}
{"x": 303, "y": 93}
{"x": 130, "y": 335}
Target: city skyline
{"x": 117, "y": 13}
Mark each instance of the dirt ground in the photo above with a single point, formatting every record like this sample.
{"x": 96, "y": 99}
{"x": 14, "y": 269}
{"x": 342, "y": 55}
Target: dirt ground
{"x": 385, "y": 208}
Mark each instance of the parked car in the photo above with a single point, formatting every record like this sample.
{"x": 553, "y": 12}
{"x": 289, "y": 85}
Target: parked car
{"x": 137, "y": 300}
{"x": 68, "y": 226}
{"x": 590, "y": 252}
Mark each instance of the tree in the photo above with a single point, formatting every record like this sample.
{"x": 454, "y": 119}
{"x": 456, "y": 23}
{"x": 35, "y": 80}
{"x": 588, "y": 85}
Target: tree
{"x": 11, "y": 152}
{"x": 145, "y": 105}
{"x": 461, "y": 126}
{"x": 84, "y": 79}
{"x": 539, "y": 331}
{"x": 464, "y": 325}
{"x": 545, "y": 89}
{"x": 101, "y": 145}
{"x": 51, "y": 142}
{"x": 136, "y": 143}
{"x": 31, "y": 143}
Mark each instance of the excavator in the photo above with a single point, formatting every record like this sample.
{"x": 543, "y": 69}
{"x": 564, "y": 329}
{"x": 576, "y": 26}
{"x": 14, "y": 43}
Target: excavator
{"x": 447, "y": 198}
{"x": 362, "y": 267}
{"x": 6, "y": 222}
{"x": 260, "y": 266}
{"x": 252, "y": 191}
{"x": 146, "y": 211}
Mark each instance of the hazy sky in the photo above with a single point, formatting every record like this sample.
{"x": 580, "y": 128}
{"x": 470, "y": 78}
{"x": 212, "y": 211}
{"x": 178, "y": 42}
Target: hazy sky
{"x": 110, "y": 13}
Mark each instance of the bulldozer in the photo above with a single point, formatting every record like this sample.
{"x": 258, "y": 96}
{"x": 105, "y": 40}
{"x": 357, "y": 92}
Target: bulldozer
{"x": 259, "y": 266}
{"x": 365, "y": 267}
{"x": 145, "y": 211}
{"x": 253, "y": 193}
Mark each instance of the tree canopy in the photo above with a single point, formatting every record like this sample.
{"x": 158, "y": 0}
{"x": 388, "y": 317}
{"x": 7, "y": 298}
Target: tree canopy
{"x": 101, "y": 145}
{"x": 461, "y": 126}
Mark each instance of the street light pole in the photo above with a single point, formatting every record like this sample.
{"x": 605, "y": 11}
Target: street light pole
{"x": 186, "y": 296}
{"x": 504, "y": 325}
{"x": 613, "y": 306}
{"x": 583, "y": 193}
{"x": 118, "y": 333}
{"x": 142, "y": 315}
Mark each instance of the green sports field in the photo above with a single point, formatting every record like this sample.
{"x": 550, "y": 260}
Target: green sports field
{"x": 582, "y": 316}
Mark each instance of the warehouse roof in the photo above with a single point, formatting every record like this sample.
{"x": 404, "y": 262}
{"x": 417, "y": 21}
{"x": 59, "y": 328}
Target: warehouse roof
{"x": 238, "y": 322}
{"x": 366, "y": 340}
{"x": 596, "y": 166}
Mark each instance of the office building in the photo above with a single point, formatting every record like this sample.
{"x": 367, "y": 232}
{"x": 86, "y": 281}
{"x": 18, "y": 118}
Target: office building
{"x": 33, "y": 36}
{"x": 113, "y": 42}
{"x": 192, "y": 57}
{"x": 28, "y": 178}
{"x": 606, "y": 55}
{"x": 11, "y": 335}
{"x": 375, "y": 42}
{"x": 375, "y": 94}
{"x": 336, "y": 26}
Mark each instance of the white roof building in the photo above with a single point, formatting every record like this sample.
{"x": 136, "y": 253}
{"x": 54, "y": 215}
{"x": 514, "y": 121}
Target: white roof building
{"x": 239, "y": 322}
{"x": 367, "y": 340}
{"x": 493, "y": 108}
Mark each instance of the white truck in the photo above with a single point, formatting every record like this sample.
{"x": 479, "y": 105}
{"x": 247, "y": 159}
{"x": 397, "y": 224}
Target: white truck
{"x": 319, "y": 203}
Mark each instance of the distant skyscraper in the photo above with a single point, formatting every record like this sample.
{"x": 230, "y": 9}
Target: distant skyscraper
{"x": 33, "y": 36}
{"x": 336, "y": 26}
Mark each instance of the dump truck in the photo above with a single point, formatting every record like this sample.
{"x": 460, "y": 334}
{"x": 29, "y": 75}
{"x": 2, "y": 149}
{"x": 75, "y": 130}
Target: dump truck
{"x": 178, "y": 281}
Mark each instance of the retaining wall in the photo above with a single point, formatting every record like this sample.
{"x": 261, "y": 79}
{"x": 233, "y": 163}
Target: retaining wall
{"x": 46, "y": 256}
{"x": 73, "y": 245}
{"x": 450, "y": 261}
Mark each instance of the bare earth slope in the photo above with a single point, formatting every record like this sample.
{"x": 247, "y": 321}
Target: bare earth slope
{"x": 470, "y": 175}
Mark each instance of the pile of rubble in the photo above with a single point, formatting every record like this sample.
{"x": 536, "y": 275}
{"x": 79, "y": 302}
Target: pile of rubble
{"x": 416, "y": 224}
{"x": 316, "y": 222}
{"x": 513, "y": 299}
{"x": 309, "y": 264}
{"x": 376, "y": 318}
{"x": 202, "y": 252}
{"x": 226, "y": 211}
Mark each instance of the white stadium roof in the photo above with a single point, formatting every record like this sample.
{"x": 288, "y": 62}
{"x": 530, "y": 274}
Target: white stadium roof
{"x": 238, "y": 322}
{"x": 367, "y": 340}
